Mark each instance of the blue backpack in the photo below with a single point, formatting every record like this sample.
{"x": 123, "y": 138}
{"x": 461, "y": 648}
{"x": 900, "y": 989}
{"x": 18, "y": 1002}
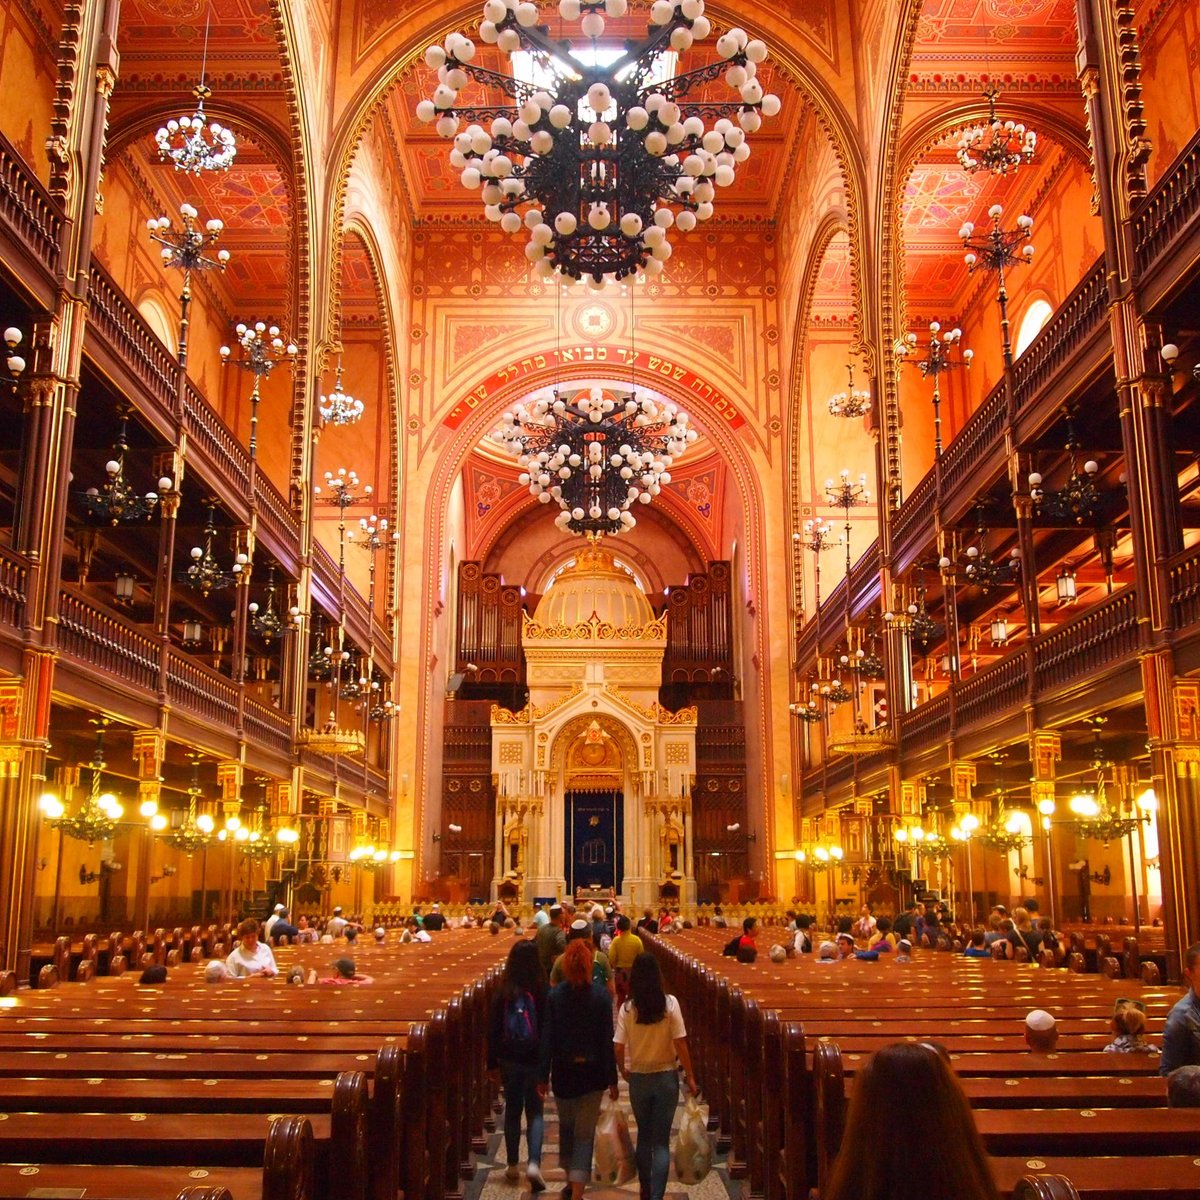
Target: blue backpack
{"x": 520, "y": 1026}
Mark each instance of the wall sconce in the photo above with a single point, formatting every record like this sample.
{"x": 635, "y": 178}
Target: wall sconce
{"x": 1170, "y": 355}
{"x": 454, "y": 828}
{"x": 107, "y": 866}
{"x": 1065, "y": 588}
{"x": 124, "y": 585}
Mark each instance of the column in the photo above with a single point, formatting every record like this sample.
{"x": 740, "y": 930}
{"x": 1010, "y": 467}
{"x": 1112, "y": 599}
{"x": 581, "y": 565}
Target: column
{"x": 229, "y": 782}
{"x": 962, "y": 780}
{"x": 149, "y": 749}
{"x": 1045, "y": 751}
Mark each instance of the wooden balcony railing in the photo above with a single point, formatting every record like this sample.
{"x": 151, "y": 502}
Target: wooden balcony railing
{"x": 1000, "y": 687}
{"x": 226, "y": 456}
{"x": 1169, "y": 209}
{"x": 1183, "y": 577}
{"x": 128, "y": 339}
{"x": 927, "y": 725}
{"x": 268, "y": 726}
{"x": 1078, "y": 317}
{"x": 103, "y": 640}
{"x": 28, "y": 209}
{"x": 275, "y": 514}
{"x": 864, "y": 579}
{"x": 1092, "y": 640}
{"x": 201, "y": 691}
{"x": 982, "y": 433}
{"x": 913, "y": 524}
{"x": 14, "y": 579}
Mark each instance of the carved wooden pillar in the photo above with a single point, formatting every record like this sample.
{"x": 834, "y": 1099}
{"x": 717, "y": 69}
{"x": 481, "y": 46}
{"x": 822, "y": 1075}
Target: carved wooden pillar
{"x": 962, "y": 780}
{"x": 229, "y": 781}
{"x": 149, "y": 749}
{"x": 1045, "y": 752}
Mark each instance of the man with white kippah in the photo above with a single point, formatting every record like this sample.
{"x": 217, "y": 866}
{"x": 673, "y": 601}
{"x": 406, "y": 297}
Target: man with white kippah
{"x": 273, "y": 919}
{"x": 1041, "y": 1031}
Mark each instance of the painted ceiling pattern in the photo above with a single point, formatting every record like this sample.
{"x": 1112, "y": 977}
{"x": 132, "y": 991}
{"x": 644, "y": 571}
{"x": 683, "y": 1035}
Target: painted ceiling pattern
{"x": 178, "y": 26}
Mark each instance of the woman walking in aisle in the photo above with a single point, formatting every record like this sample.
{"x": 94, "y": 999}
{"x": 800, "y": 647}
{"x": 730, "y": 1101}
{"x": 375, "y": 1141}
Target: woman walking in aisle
{"x": 514, "y": 1041}
{"x": 577, "y": 1060}
{"x": 650, "y": 1026}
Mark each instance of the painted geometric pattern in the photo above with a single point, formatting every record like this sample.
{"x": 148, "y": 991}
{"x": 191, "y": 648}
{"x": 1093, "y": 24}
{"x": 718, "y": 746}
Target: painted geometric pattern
{"x": 172, "y": 22}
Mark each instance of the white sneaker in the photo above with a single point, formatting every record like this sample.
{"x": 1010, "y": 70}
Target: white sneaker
{"x": 512, "y": 1172}
{"x": 533, "y": 1173}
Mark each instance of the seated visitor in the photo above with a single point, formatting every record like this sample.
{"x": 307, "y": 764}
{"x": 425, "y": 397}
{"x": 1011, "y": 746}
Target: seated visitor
{"x": 250, "y": 957}
{"x": 1183, "y": 1087}
{"x": 154, "y": 974}
{"x": 910, "y": 1086}
{"x": 305, "y": 933}
{"x": 1129, "y": 1024}
{"x": 345, "y": 974}
{"x": 845, "y": 945}
{"x": 883, "y": 939}
{"x": 434, "y": 921}
{"x": 976, "y": 948}
{"x": 827, "y": 952}
{"x": 215, "y": 971}
{"x": 1181, "y": 1035}
{"x": 1041, "y": 1032}
{"x": 904, "y": 950}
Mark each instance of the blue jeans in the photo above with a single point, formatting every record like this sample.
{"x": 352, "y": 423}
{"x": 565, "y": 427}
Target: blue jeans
{"x": 653, "y": 1097}
{"x": 577, "y": 1118}
{"x": 521, "y": 1096}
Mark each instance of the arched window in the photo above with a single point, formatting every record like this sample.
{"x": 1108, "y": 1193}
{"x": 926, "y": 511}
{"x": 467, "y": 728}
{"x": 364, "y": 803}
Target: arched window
{"x": 1036, "y": 315}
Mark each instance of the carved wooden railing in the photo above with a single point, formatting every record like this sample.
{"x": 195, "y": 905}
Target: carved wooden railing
{"x": 1169, "y": 209}
{"x": 1000, "y": 687}
{"x": 216, "y": 440}
{"x": 1074, "y": 321}
{"x": 1183, "y": 576}
{"x": 267, "y": 726}
{"x": 927, "y": 725}
{"x": 201, "y": 691}
{"x": 14, "y": 579}
{"x": 27, "y": 208}
{"x": 100, "y": 638}
{"x": 913, "y": 524}
{"x": 983, "y": 432}
{"x": 115, "y": 321}
{"x": 864, "y": 578}
{"x": 275, "y": 513}
{"x": 1094, "y": 639}
{"x": 377, "y": 781}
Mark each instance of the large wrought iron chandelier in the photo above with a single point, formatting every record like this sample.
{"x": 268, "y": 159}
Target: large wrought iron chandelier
{"x": 597, "y": 161}
{"x": 1006, "y": 832}
{"x": 339, "y": 407}
{"x": 194, "y": 832}
{"x": 595, "y": 453}
{"x": 204, "y": 572}
{"x": 115, "y": 501}
{"x": 853, "y": 402}
{"x": 97, "y": 818}
{"x": 1078, "y": 501}
{"x": 995, "y": 145}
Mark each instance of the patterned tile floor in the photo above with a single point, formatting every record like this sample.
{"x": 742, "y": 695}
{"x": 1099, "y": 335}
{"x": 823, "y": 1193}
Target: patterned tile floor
{"x": 489, "y": 1182}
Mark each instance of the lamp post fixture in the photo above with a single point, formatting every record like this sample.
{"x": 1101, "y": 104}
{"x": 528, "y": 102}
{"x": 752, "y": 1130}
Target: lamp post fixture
{"x": 995, "y": 250}
{"x": 846, "y": 495}
{"x": 187, "y": 249}
{"x": 263, "y": 347}
{"x": 818, "y": 536}
{"x": 939, "y": 358}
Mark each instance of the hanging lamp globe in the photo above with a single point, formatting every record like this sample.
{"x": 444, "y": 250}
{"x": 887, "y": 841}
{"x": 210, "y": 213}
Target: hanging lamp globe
{"x": 595, "y": 165}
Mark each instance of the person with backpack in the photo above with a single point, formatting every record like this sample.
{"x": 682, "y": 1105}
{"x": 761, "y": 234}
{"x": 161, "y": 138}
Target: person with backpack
{"x": 514, "y": 1044}
{"x": 578, "y": 1061}
{"x": 650, "y": 1036}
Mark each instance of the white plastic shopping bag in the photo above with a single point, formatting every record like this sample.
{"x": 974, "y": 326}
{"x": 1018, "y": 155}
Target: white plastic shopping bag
{"x": 614, "y": 1163}
{"x": 693, "y": 1151}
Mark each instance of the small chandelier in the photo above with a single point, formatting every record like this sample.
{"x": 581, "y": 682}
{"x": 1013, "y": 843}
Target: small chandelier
{"x": 339, "y": 408}
{"x": 266, "y": 622}
{"x": 258, "y": 843}
{"x": 823, "y": 857}
{"x": 810, "y": 711}
{"x": 1004, "y": 834}
{"x": 937, "y": 361}
{"x": 984, "y": 571}
{"x": 997, "y": 146}
{"x": 193, "y": 144}
{"x": 1065, "y": 587}
{"x": 115, "y": 502}
{"x": 381, "y": 706}
{"x": 195, "y": 832}
{"x": 603, "y": 159}
{"x": 357, "y": 683}
{"x": 595, "y": 454}
{"x": 1078, "y": 501}
{"x": 852, "y": 402}
{"x": 369, "y": 857}
{"x": 320, "y": 659}
{"x": 96, "y": 819}
{"x": 915, "y": 621}
{"x": 204, "y": 573}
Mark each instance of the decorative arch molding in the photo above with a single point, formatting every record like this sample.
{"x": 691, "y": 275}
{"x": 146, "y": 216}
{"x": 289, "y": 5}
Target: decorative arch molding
{"x": 357, "y": 225}
{"x": 453, "y": 455}
{"x": 814, "y": 90}
{"x": 832, "y": 224}
{"x": 574, "y": 727}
